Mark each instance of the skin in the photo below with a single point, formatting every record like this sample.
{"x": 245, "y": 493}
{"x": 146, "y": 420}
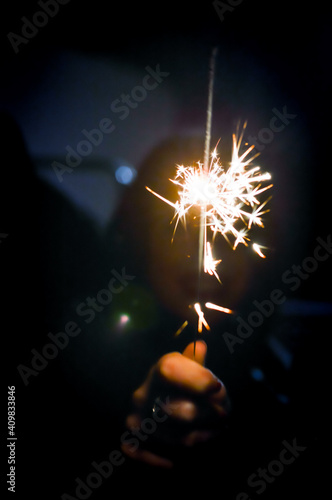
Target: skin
{"x": 196, "y": 405}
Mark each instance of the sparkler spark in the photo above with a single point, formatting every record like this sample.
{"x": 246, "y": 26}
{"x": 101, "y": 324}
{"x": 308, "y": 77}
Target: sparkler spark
{"x": 201, "y": 320}
{"x": 257, "y": 248}
{"x": 226, "y": 199}
{"x": 209, "y": 305}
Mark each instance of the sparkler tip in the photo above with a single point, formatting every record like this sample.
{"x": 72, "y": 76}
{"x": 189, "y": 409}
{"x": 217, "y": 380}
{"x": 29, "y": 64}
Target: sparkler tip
{"x": 257, "y": 248}
{"x": 209, "y": 305}
{"x": 180, "y": 330}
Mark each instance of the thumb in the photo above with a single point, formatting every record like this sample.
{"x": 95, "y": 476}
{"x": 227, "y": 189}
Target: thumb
{"x": 200, "y": 351}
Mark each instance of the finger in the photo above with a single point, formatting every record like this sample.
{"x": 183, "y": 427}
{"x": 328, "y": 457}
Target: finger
{"x": 146, "y": 456}
{"x": 197, "y": 353}
{"x": 199, "y": 436}
{"x": 181, "y": 410}
{"x": 133, "y": 421}
{"x": 184, "y": 371}
{"x": 141, "y": 395}
{"x": 187, "y": 375}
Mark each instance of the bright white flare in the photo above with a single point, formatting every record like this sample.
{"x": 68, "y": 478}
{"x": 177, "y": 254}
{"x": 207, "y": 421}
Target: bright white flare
{"x": 228, "y": 199}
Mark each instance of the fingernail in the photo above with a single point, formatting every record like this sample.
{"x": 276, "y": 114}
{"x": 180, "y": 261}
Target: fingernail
{"x": 216, "y": 384}
{"x": 219, "y": 383}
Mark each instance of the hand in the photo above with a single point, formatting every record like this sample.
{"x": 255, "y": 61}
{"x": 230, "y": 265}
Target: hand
{"x": 181, "y": 403}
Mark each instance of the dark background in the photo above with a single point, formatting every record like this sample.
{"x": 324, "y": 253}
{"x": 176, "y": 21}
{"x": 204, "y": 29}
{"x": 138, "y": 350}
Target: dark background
{"x": 271, "y": 55}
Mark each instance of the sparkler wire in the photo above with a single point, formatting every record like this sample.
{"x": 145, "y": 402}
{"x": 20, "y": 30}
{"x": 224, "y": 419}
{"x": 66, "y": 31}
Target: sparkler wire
{"x": 209, "y": 109}
{"x": 225, "y": 198}
{"x": 202, "y": 226}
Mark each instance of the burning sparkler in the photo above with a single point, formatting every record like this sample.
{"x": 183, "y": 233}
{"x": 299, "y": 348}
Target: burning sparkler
{"x": 227, "y": 199}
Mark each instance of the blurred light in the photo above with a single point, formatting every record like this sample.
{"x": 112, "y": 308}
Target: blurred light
{"x": 282, "y": 353}
{"x": 257, "y": 374}
{"x": 299, "y": 307}
{"x": 122, "y": 322}
{"x": 124, "y": 319}
{"x": 125, "y": 174}
{"x": 283, "y": 399}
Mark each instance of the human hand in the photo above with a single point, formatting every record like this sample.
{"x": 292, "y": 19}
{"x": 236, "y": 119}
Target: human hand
{"x": 181, "y": 403}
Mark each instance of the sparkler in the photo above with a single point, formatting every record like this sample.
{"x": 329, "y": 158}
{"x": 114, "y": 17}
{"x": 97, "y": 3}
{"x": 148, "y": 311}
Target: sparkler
{"x": 227, "y": 199}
